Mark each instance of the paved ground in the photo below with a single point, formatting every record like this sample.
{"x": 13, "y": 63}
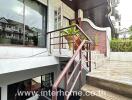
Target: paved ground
{"x": 115, "y": 71}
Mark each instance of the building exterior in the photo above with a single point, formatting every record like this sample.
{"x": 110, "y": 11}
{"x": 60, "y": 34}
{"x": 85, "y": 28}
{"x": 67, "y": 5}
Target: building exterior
{"x": 103, "y": 13}
{"x": 124, "y": 33}
{"x": 26, "y": 62}
{"x": 115, "y": 17}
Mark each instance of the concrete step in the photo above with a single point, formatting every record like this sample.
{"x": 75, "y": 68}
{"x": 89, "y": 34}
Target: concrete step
{"x": 94, "y": 93}
{"x": 110, "y": 85}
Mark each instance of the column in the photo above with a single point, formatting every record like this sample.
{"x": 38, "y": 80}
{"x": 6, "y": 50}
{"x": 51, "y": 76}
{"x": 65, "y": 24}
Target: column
{"x": 80, "y": 14}
{"x": 50, "y": 26}
{"x": 4, "y": 92}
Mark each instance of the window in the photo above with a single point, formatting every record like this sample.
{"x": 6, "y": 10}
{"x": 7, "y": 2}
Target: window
{"x": 58, "y": 18}
{"x": 47, "y": 80}
{"x": 28, "y": 20}
{"x": 66, "y": 21}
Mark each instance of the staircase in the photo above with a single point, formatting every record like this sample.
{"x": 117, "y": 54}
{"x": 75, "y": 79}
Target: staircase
{"x": 80, "y": 58}
{"x": 82, "y": 61}
{"x": 112, "y": 81}
{"x": 100, "y": 83}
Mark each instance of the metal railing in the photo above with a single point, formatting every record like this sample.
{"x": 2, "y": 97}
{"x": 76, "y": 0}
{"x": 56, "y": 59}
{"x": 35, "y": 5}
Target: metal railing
{"x": 57, "y": 39}
{"x": 71, "y": 79}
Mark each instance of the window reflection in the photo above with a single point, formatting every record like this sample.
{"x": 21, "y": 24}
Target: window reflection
{"x": 22, "y": 22}
{"x": 11, "y": 21}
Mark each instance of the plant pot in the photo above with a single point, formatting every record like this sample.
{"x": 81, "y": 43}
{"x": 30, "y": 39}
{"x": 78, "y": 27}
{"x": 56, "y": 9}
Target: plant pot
{"x": 96, "y": 47}
{"x": 70, "y": 39}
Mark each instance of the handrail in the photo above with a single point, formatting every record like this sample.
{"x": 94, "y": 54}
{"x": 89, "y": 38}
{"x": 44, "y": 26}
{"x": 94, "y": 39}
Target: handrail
{"x": 61, "y": 38}
{"x": 61, "y": 29}
{"x": 68, "y": 65}
{"x": 63, "y": 74}
{"x": 71, "y": 27}
{"x": 77, "y": 69}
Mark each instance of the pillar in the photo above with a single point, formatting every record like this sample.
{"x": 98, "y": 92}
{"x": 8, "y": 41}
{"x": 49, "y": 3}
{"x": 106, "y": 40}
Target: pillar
{"x": 4, "y": 92}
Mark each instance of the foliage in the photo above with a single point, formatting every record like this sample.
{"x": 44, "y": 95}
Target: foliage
{"x": 130, "y": 37}
{"x": 4, "y": 41}
{"x": 121, "y": 45}
{"x": 70, "y": 31}
{"x": 130, "y": 28}
{"x": 73, "y": 31}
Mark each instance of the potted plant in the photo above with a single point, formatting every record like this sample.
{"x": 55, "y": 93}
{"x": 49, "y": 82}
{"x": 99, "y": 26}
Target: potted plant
{"x": 72, "y": 35}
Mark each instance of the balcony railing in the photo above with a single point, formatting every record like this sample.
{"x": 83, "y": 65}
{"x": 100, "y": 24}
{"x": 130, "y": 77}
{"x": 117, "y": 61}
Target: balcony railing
{"x": 58, "y": 41}
{"x": 80, "y": 54}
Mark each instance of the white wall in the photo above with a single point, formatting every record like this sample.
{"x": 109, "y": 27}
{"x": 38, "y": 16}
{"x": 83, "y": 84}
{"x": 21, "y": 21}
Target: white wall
{"x": 19, "y": 52}
{"x": 68, "y": 12}
{"x": 13, "y": 65}
{"x": 26, "y": 74}
{"x": 108, "y": 39}
{"x": 121, "y": 56}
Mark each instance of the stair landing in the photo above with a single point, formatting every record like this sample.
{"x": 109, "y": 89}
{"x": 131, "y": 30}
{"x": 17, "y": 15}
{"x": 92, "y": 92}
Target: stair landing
{"x": 117, "y": 71}
{"x": 96, "y": 93}
{"x": 114, "y": 77}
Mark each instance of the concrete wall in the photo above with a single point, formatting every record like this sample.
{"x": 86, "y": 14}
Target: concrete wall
{"x": 21, "y": 52}
{"x": 121, "y": 56}
{"x": 18, "y": 76}
{"x": 66, "y": 11}
{"x": 98, "y": 36}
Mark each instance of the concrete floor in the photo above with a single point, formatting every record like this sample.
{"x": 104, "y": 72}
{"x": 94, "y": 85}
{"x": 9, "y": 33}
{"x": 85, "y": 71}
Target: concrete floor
{"x": 117, "y": 71}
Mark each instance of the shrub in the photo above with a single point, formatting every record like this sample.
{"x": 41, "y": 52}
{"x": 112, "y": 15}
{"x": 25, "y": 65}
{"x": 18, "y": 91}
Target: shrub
{"x": 130, "y": 37}
{"x": 4, "y": 41}
{"x": 121, "y": 45}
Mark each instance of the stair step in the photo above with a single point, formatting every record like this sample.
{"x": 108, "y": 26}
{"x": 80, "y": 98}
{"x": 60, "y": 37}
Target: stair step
{"x": 111, "y": 85}
{"x": 95, "y": 93}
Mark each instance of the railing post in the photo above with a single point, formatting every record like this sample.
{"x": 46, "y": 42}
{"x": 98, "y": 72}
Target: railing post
{"x": 60, "y": 43}
{"x": 73, "y": 43}
{"x": 50, "y": 43}
{"x": 54, "y": 95}
{"x": 87, "y": 48}
{"x": 66, "y": 86}
{"x": 89, "y": 57}
{"x": 80, "y": 68}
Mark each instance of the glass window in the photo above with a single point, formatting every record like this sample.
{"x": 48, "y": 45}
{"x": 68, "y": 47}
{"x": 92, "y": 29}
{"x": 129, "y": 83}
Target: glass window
{"x": 35, "y": 19}
{"x": 11, "y": 14}
{"x": 23, "y": 21}
{"x": 47, "y": 80}
{"x": 58, "y": 18}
